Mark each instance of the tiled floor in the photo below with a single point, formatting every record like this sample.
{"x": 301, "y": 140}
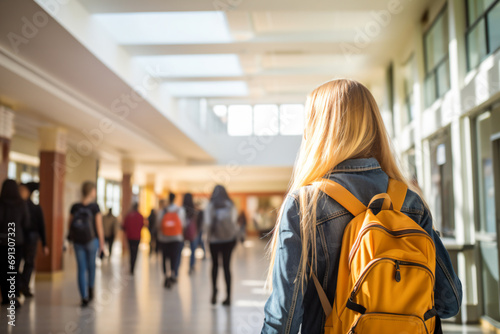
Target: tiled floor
{"x": 141, "y": 305}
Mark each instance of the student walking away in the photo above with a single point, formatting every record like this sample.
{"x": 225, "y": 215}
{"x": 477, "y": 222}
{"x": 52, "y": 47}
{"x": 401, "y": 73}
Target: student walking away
{"x": 191, "y": 229}
{"x": 86, "y": 233}
{"x": 153, "y": 231}
{"x": 242, "y": 223}
{"x": 35, "y": 232}
{"x": 170, "y": 225}
{"x": 110, "y": 226}
{"x": 222, "y": 231}
{"x": 200, "y": 222}
{"x": 133, "y": 224}
{"x": 354, "y": 249}
{"x": 14, "y": 223}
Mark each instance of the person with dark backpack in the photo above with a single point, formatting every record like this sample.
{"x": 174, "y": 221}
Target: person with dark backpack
{"x": 87, "y": 235}
{"x": 354, "y": 249}
{"x": 222, "y": 231}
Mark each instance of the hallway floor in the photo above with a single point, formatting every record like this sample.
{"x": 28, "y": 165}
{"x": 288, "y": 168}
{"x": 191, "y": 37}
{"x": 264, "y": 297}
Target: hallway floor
{"x": 140, "y": 304}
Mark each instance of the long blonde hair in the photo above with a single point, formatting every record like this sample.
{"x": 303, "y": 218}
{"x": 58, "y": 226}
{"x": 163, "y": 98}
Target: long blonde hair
{"x": 342, "y": 122}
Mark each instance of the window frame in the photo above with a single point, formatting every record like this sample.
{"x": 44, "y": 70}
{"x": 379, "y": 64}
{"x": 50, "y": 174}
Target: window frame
{"x": 446, "y": 58}
{"x": 471, "y": 25}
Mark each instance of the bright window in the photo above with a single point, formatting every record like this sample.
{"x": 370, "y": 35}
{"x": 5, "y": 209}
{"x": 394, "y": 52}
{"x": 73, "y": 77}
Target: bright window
{"x": 207, "y": 88}
{"x": 166, "y": 27}
{"x": 188, "y": 66}
{"x": 292, "y": 119}
{"x": 437, "y": 67}
{"x": 265, "y": 118}
{"x": 483, "y": 30}
{"x": 239, "y": 120}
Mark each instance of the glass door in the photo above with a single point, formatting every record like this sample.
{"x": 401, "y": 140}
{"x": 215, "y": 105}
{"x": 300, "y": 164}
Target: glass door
{"x": 488, "y": 164}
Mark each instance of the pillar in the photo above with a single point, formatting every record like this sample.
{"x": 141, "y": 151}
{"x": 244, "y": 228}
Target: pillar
{"x": 52, "y": 173}
{"x": 6, "y": 132}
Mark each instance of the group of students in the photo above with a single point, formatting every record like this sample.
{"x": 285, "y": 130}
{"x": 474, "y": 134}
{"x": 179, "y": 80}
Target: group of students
{"x": 22, "y": 226}
{"x": 170, "y": 226}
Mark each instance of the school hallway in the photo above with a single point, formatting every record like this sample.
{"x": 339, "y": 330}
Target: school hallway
{"x": 140, "y": 304}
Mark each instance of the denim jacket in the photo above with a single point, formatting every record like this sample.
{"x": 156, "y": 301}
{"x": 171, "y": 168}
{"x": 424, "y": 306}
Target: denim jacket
{"x": 288, "y": 308}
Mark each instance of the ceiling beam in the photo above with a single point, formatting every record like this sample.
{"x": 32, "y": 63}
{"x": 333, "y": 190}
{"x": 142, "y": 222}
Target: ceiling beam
{"x": 125, "y": 6}
{"x": 249, "y": 48}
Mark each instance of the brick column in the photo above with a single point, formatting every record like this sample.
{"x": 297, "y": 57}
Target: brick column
{"x": 52, "y": 170}
{"x": 6, "y": 132}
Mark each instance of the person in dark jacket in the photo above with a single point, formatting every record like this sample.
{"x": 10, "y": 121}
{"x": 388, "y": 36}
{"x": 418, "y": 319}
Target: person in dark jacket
{"x": 14, "y": 221}
{"x": 153, "y": 231}
{"x": 132, "y": 225}
{"x": 35, "y": 232}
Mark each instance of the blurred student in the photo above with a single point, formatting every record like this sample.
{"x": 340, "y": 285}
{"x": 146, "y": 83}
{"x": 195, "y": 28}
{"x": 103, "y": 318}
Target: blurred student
{"x": 110, "y": 226}
{"x": 242, "y": 223}
{"x": 222, "y": 230}
{"x": 153, "y": 230}
{"x": 133, "y": 224}
{"x": 35, "y": 232}
{"x": 86, "y": 233}
{"x": 170, "y": 224}
{"x": 191, "y": 229}
{"x": 14, "y": 222}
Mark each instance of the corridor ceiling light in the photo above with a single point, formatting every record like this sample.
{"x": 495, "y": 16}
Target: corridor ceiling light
{"x": 166, "y": 27}
{"x": 216, "y": 65}
{"x": 207, "y": 88}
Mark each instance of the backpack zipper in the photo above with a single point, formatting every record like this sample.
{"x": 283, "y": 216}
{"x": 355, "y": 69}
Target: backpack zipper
{"x": 398, "y": 233}
{"x": 351, "y": 331}
{"x": 397, "y": 264}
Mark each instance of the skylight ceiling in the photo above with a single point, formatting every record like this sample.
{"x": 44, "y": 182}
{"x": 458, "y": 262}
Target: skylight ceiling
{"x": 166, "y": 27}
{"x": 207, "y": 88}
{"x": 188, "y": 66}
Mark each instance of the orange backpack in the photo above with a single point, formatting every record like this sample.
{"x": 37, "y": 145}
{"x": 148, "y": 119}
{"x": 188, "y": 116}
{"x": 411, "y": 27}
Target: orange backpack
{"x": 385, "y": 280}
{"x": 171, "y": 224}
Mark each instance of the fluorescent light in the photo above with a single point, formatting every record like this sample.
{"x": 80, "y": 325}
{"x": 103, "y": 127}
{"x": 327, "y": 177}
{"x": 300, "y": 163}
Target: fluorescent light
{"x": 216, "y": 65}
{"x": 166, "y": 27}
{"x": 207, "y": 88}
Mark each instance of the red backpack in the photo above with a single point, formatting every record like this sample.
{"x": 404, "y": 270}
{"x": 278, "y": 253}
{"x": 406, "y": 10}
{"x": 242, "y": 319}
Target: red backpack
{"x": 171, "y": 224}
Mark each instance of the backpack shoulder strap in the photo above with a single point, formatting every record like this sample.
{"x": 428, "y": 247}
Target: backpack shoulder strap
{"x": 397, "y": 191}
{"x": 341, "y": 195}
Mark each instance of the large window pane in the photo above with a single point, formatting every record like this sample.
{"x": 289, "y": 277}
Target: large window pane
{"x": 239, "y": 120}
{"x": 430, "y": 89}
{"x": 477, "y": 7}
{"x": 494, "y": 28}
{"x": 436, "y": 41}
{"x": 265, "y": 120}
{"x": 443, "y": 78}
{"x": 408, "y": 72}
{"x": 291, "y": 119}
{"x": 476, "y": 44}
